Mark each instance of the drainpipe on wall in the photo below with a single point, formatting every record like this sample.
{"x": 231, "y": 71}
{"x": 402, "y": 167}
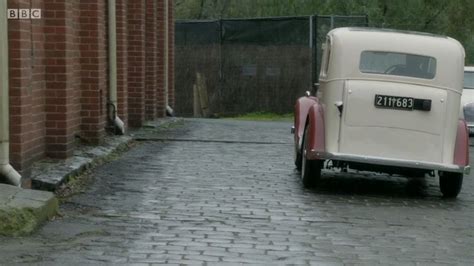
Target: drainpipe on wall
{"x": 166, "y": 55}
{"x": 6, "y": 170}
{"x": 112, "y": 102}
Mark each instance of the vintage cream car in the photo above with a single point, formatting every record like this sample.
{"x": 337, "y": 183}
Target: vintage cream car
{"x": 467, "y": 99}
{"x": 388, "y": 101}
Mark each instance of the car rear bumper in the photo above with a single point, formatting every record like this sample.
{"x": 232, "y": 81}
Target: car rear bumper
{"x": 470, "y": 127}
{"x": 316, "y": 155}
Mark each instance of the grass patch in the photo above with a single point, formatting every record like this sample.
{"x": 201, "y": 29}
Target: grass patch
{"x": 264, "y": 116}
{"x": 15, "y": 222}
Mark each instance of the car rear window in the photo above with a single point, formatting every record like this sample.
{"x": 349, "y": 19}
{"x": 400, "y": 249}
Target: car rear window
{"x": 469, "y": 80}
{"x": 399, "y": 64}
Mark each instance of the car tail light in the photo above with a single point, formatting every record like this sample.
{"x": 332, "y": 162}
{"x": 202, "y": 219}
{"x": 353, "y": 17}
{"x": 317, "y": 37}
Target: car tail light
{"x": 469, "y": 112}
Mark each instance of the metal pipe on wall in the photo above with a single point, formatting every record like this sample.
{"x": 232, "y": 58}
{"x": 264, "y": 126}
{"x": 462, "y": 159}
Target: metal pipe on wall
{"x": 112, "y": 103}
{"x": 6, "y": 170}
{"x": 166, "y": 52}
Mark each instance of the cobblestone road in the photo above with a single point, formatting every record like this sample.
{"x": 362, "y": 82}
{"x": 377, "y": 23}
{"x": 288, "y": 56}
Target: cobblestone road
{"x": 223, "y": 194}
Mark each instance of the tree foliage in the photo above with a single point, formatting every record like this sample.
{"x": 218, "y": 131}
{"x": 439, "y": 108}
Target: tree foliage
{"x": 453, "y": 18}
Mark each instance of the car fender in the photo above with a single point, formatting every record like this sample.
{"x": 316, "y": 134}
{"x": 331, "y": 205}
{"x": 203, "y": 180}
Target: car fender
{"x": 302, "y": 107}
{"x": 461, "y": 148}
{"x": 316, "y": 138}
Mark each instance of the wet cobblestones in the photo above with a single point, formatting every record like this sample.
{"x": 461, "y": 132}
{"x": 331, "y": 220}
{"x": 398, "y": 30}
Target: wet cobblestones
{"x": 214, "y": 203}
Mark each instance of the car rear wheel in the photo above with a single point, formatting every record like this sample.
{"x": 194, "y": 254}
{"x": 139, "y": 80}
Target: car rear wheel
{"x": 298, "y": 160}
{"x": 450, "y": 184}
{"x": 310, "y": 169}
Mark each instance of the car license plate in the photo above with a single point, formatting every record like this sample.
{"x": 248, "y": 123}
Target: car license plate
{"x": 394, "y": 102}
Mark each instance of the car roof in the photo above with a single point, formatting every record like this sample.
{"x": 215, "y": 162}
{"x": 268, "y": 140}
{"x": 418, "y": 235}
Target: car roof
{"x": 427, "y": 44}
{"x": 347, "y": 45}
{"x": 469, "y": 69}
{"x": 368, "y": 29}
{"x": 395, "y": 38}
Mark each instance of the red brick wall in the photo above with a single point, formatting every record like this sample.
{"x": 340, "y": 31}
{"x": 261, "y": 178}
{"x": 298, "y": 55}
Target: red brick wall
{"x": 38, "y": 115}
{"x": 26, "y": 74}
{"x": 93, "y": 62}
{"x": 62, "y": 76}
{"x": 151, "y": 59}
{"x": 59, "y": 73}
{"x": 136, "y": 62}
{"x": 161, "y": 98}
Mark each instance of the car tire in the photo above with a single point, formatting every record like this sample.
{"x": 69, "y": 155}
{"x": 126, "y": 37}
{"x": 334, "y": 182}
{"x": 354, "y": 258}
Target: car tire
{"x": 450, "y": 184}
{"x": 298, "y": 160}
{"x": 310, "y": 169}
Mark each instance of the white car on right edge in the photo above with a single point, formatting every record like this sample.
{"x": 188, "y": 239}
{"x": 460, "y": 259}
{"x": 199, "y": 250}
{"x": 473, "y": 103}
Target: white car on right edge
{"x": 467, "y": 99}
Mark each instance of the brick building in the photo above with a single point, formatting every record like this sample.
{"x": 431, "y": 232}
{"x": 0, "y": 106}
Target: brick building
{"x": 85, "y": 66}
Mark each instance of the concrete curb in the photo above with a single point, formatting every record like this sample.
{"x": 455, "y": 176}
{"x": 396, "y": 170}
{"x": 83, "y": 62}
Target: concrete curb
{"x": 22, "y": 210}
{"x": 50, "y": 174}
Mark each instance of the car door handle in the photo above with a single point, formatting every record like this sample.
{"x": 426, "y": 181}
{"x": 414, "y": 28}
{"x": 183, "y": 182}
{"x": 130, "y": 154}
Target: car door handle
{"x": 340, "y": 106}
